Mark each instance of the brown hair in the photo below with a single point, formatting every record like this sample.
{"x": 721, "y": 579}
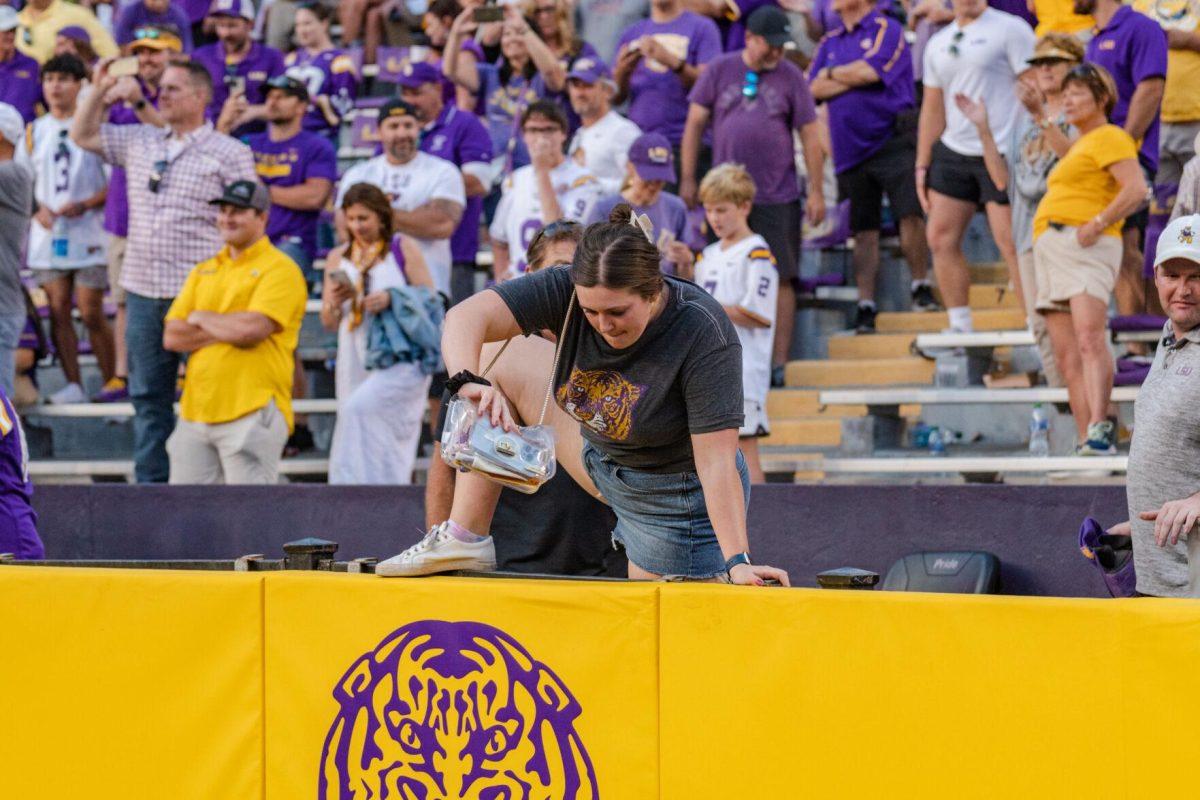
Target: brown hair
{"x": 1097, "y": 81}
{"x": 562, "y": 230}
{"x": 372, "y": 198}
{"x": 617, "y": 255}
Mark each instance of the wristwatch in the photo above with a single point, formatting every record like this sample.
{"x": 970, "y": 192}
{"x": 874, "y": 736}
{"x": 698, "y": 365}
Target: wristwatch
{"x": 740, "y": 558}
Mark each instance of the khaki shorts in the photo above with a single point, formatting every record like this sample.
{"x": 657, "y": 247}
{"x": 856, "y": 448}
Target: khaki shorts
{"x": 1063, "y": 269}
{"x": 116, "y": 258}
{"x": 84, "y": 277}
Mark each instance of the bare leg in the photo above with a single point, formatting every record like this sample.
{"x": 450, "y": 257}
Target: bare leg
{"x": 1066, "y": 355}
{"x": 785, "y": 322}
{"x": 62, "y": 327}
{"x": 121, "y": 356}
{"x": 749, "y": 447}
{"x": 1000, "y": 221}
{"x": 351, "y": 14}
{"x": 299, "y": 386}
{"x": 1131, "y": 288}
{"x": 914, "y": 246}
{"x": 1089, "y": 317}
{"x": 866, "y": 264}
{"x": 91, "y": 310}
{"x": 948, "y": 220}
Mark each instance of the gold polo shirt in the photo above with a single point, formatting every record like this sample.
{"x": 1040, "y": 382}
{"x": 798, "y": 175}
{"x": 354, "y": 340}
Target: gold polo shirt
{"x": 226, "y": 382}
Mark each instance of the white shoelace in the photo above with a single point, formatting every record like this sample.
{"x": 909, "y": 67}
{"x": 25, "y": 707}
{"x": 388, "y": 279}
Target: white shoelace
{"x": 435, "y": 533}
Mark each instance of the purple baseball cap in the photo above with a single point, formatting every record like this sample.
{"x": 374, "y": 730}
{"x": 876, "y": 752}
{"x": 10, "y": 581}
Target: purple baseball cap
{"x": 415, "y": 75}
{"x": 589, "y": 70}
{"x": 652, "y": 158}
{"x": 243, "y": 9}
{"x": 75, "y": 32}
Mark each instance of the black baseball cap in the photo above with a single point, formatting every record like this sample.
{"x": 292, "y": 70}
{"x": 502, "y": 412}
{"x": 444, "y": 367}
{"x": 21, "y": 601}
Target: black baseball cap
{"x": 244, "y": 194}
{"x": 397, "y": 108}
{"x": 771, "y": 23}
{"x": 286, "y": 83}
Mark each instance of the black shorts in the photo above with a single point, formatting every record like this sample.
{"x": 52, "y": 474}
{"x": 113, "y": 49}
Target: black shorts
{"x": 1138, "y": 220}
{"x": 779, "y": 224}
{"x": 890, "y": 170}
{"x": 962, "y": 177}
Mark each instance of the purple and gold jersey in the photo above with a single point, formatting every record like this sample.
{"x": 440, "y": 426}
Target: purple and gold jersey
{"x": 327, "y": 74}
{"x": 291, "y": 163}
{"x": 259, "y": 66}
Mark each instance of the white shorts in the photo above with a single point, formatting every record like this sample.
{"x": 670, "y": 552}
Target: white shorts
{"x": 756, "y": 422}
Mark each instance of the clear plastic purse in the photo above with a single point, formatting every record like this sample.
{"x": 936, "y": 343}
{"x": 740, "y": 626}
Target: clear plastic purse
{"x": 522, "y": 459}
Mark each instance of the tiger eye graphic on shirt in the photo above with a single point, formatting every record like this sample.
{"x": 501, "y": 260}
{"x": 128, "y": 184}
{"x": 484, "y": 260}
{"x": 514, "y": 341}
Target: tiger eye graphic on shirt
{"x": 601, "y": 399}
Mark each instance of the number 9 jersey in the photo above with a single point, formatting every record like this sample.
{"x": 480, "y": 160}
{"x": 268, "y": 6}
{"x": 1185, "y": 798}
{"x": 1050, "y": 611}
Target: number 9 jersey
{"x": 519, "y": 215}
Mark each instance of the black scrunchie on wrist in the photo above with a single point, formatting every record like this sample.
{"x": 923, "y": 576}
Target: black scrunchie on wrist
{"x": 462, "y": 378}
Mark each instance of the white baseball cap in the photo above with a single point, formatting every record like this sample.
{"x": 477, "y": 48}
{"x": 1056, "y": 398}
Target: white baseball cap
{"x": 12, "y": 125}
{"x": 8, "y": 18}
{"x": 1181, "y": 239}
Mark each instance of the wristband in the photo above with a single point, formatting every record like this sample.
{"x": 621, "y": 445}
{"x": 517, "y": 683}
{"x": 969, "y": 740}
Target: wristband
{"x": 139, "y": 105}
{"x": 462, "y": 378}
{"x": 740, "y": 558}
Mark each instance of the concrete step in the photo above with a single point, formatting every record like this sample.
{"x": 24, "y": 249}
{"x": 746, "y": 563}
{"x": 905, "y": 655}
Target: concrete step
{"x": 994, "y": 319}
{"x": 877, "y": 345}
{"x": 860, "y": 372}
{"x": 785, "y": 404}
{"x": 804, "y": 432}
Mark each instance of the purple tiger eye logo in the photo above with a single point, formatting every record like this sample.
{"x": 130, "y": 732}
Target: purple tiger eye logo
{"x": 454, "y": 710}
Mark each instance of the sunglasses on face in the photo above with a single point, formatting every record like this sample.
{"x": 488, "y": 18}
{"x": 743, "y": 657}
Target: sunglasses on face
{"x": 750, "y": 87}
{"x": 552, "y": 230}
{"x": 157, "y": 173}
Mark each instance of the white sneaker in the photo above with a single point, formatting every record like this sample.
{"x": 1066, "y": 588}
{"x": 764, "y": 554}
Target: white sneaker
{"x": 438, "y": 552}
{"x": 71, "y": 393}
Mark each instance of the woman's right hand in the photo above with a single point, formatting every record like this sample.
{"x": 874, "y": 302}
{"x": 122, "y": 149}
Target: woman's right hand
{"x": 1088, "y": 233}
{"x": 975, "y": 111}
{"x": 755, "y": 575}
{"x": 465, "y": 22}
{"x": 1032, "y": 99}
{"x": 339, "y": 292}
{"x": 490, "y": 402}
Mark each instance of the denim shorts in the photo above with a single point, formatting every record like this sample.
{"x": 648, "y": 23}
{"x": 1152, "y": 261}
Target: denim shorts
{"x": 661, "y": 517}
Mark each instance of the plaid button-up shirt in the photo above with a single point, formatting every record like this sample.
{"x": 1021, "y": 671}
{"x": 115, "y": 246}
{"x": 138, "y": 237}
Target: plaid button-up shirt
{"x": 173, "y": 229}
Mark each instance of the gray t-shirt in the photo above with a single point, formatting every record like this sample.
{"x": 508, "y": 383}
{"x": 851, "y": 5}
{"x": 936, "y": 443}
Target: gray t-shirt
{"x": 640, "y": 404}
{"x": 16, "y": 207}
{"x": 1030, "y": 160}
{"x": 1164, "y": 460}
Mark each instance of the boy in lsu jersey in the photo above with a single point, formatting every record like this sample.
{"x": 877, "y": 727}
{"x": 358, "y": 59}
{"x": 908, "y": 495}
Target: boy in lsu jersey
{"x": 551, "y": 188}
{"x": 739, "y": 271}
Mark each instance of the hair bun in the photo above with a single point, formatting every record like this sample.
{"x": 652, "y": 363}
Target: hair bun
{"x": 621, "y": 214}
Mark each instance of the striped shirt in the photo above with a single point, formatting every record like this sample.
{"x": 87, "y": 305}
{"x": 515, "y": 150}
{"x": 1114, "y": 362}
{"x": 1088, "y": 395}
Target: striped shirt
{"x": 174, "y": 228}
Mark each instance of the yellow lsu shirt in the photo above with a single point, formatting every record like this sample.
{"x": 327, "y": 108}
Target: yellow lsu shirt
{"x": 1181, "y": 101}
{"x": 1058, "y": 16}
{"x": 225, "y": 382}
{"x": 1080, "y": 186}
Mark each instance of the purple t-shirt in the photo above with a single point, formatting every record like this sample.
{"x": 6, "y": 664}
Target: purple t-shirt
{"x": 116, "y": 203}
{"x": 196, "y": 10}
{"x": 460, "y": 138}
{"x": 331, "y": 74}
{"x": 290, "y": 163}
{"x": 828, "y": 20}
{"x": 668, "y": 213}
{"x": 863, "y": 120}
{"x": 501, "y": 105}
{"x": 20, "y": 86}
{"x": 18, "y": 521}
{"x": 1133, "y": 48}
{"x": 1018, "y": 8}
{"x": 657, "y": 96}
{"x": 135, "y": 15}
{"x": 757, "y": 133}
{"x": 258, "y": 67}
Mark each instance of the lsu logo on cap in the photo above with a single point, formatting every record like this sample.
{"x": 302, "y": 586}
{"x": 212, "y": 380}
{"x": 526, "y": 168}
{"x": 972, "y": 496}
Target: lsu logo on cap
{"x": 1186, "y": 234}
{"x": 659, "y": 155}
{"x": 583, "y": 63}
{"x": 454, "y": 709}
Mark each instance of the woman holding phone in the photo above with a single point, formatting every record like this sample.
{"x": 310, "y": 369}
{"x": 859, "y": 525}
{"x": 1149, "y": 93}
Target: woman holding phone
{"x": 379, "y": 411}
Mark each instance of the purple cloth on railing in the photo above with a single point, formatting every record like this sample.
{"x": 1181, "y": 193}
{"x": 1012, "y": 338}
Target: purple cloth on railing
{"x": 811, "y": 284}
{"x": 1130, "y": 372}
{"x": 1137, "y": 322}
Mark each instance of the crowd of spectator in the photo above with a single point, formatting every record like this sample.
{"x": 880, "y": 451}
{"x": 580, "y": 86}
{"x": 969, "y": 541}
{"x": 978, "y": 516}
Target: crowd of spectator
{"x": 495, "y": 123}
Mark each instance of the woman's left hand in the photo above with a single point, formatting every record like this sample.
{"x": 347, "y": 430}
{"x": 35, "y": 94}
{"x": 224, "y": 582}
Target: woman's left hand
{"x": 377, "y": 301}
{"x": 1088, "y": 233}
{"x": 755, "y": 575}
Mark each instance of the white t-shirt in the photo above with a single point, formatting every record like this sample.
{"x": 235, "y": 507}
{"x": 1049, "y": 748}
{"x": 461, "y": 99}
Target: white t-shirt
{"x": 991, "y": 52}
{"x": 603, "y": 149}
{"x": 411, "y": 186}
{"x": 745, "y": 276}
{"x": 64, "y": 173}
{"x": 519, "y": 215}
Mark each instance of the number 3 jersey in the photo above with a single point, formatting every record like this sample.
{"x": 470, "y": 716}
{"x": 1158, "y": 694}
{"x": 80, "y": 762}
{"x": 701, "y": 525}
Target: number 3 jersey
{"x": 64, "y": 173}
{"x": 519, "y": 215}
{"x": 745, "y": 276}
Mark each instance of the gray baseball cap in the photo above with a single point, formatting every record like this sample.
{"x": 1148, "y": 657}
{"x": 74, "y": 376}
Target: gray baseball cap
{"x": 244, "y": 194}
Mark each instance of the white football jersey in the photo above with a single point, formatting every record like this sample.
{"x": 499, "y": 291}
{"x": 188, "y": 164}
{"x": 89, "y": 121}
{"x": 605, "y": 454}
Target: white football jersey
{"x": 64, "y": 173}
{"x": 745, "y": 276}
{"x": 603, "y": 149}
{"x": 519, "y": 215}
{"x": 411, "y": 186}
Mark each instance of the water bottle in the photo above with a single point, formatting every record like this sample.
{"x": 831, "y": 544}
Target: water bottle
{"x": 937, "y": 442}
{"x": 1039, "y": 432}
{"x": 59, "y": 243}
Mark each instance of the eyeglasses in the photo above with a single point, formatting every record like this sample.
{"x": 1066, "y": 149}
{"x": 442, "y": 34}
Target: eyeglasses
{"x": 750, "y": 87}
{"x": 157, "y": 173}
{"x": 542, "y": 129}
{"x": 954, "y": 40}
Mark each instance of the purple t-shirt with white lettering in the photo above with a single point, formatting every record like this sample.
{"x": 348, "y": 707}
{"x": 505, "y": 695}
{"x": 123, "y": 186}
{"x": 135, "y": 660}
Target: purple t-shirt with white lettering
{"x": 20, "y": 86}
{"x": 330, "y": 73}
{"x": 757, "y": 132}
{"x": 135, "y": 15}
{"x": 259, "y": 66}
{"x": 863, "y": 120}
{"x": 657, "y": 96}
{"x": 460, "y": 138}
{"x": 116, "y": 202}
{"x": 1132, "y": 47}
{"x": 290, "y": 163}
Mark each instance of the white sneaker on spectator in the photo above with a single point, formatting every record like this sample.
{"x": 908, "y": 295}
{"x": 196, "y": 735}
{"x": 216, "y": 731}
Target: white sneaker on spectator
{"x": 438, "y": 552}
{"x": 71, "y": 393}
